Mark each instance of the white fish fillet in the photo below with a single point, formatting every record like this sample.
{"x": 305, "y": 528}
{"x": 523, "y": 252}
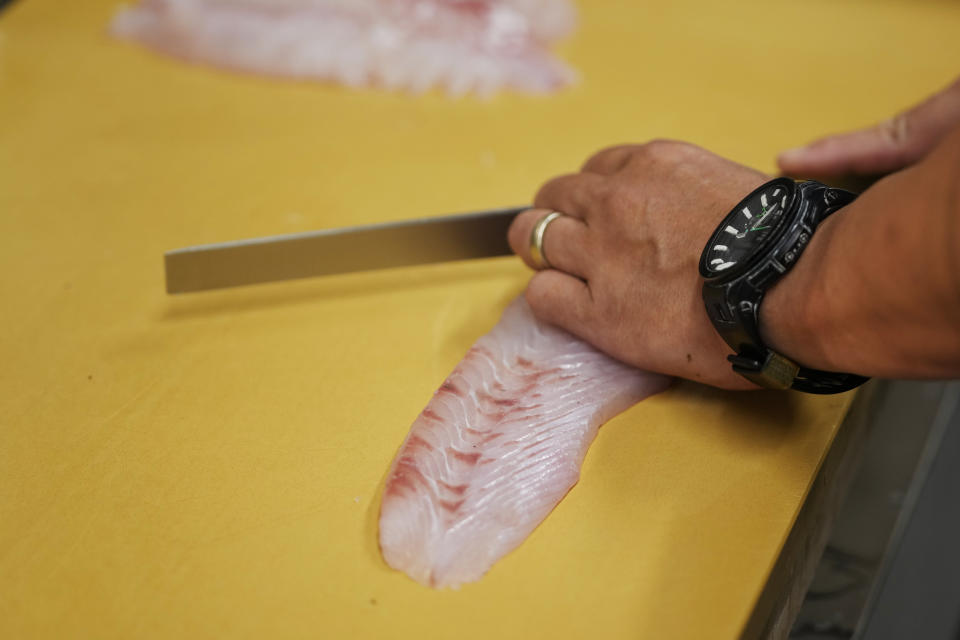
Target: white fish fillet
{"x": 461, "y": 45}
{"x": 498, "y": 446}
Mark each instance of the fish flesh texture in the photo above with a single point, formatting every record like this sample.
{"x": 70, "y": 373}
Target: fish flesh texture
{"x": 463, "y": 46}
{"x": 498, "y": 446}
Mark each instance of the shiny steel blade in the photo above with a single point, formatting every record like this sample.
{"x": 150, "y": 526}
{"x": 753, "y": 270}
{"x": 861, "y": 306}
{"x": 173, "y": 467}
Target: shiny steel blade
{"x": 300, "y": 255}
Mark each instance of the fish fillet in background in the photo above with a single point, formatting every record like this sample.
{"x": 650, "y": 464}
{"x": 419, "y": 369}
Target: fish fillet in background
{"x": 498, "y": 446}
{"x": 462, "y": 46}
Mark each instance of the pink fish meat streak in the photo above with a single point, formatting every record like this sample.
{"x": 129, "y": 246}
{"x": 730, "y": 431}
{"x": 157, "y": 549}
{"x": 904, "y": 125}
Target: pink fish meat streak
{"x": 498, "y": 446}
{"x": 462, "y": 46}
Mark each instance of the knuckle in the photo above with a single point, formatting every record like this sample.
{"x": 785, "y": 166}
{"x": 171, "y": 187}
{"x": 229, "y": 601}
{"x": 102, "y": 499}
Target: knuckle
{"x": 661, "y": 145}
{"x": 548, "y": 191}
{"x": 609, "y": 198}
{"x": 622, "y": 196}
{"x": 541, "y": 193}
{"x": 662, "y": 150}
{"x": 537, "y": 293}
{"x": 897, "y": 135}
{"x": 613, "y": 195}
{"x": 609, "y": 156}
{"x": 603, "y": 153}
{"x": 664, "y": 146}
{"x": 896, "y": 131}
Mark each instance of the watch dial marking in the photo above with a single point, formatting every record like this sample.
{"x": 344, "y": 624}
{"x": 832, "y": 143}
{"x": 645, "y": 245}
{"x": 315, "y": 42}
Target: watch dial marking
{"x": 750, "y": 228}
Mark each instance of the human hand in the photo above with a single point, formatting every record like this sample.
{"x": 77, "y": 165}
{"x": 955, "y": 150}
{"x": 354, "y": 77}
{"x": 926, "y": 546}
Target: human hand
{"x": 625, "y": 255}
{"x": 884, "y": 148}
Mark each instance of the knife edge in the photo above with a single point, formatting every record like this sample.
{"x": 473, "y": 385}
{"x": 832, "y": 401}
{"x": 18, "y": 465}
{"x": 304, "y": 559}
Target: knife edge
{"x": 339, "y": 250}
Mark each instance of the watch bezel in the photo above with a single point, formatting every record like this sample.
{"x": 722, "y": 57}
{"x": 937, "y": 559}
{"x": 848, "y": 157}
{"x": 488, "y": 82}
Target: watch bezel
{"x": 759, "y": 250}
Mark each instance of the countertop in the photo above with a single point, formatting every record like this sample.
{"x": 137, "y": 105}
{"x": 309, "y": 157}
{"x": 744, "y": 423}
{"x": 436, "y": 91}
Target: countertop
{"x": 210, "y": 465}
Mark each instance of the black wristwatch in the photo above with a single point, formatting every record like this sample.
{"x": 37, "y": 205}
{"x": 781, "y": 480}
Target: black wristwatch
{"x": 754, "y": 246}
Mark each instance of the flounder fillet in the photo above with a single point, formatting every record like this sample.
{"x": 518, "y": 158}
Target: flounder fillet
{"x": 498, "y": 446}
{"x": 461, "y": 45}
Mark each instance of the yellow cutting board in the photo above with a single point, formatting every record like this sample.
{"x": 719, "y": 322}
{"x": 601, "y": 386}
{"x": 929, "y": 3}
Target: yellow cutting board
{"x": 210, "y": 465}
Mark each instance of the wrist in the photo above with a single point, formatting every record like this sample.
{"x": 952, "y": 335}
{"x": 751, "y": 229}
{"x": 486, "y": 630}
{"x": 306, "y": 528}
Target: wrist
{"x": 793, "y": 318}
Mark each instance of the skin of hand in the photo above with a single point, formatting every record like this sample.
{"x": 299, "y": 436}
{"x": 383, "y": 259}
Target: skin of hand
{"x": 889, "y": 146}
{"x": 878, "y": 289}
{"x": 626, "y": 253}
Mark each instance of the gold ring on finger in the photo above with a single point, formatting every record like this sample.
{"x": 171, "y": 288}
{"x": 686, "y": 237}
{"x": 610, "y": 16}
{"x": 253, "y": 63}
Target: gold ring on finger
{"x": 537, "y": 254}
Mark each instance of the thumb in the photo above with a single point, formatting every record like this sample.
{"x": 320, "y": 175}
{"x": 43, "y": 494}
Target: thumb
{"x": 889, "y": 146}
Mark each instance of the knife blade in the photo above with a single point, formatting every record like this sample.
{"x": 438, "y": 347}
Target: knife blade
{"x": 300, "y": 255}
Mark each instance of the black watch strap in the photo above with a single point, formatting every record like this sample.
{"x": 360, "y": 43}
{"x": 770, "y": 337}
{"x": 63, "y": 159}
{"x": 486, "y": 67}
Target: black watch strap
{"x": 774, "y": 371}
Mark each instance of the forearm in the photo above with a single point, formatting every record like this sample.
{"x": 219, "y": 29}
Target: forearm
{"x": 878, "y": 290}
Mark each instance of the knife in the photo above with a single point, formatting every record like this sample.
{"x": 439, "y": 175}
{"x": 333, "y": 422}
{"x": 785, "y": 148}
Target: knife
{"x": 300, "y": 255}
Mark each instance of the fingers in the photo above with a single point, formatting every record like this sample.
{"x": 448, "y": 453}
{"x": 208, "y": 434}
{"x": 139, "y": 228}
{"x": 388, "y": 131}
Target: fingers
{"x": 562, "y": 300}
{"x": 564, "y": 242}
{"x": 608, "y": 161}
{"x": 883, "y": 148}
{"x": 575, "y": 194}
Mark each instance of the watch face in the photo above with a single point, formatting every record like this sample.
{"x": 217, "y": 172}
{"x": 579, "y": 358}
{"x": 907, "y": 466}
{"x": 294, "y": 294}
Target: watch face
{"x": 747, "y": 228}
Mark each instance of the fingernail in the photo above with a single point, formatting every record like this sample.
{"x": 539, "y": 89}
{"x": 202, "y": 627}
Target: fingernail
{"x": 791, "y": 155}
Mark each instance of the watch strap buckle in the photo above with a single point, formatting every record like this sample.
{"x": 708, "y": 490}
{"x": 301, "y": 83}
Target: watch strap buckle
{"x": 771, "y": 370}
